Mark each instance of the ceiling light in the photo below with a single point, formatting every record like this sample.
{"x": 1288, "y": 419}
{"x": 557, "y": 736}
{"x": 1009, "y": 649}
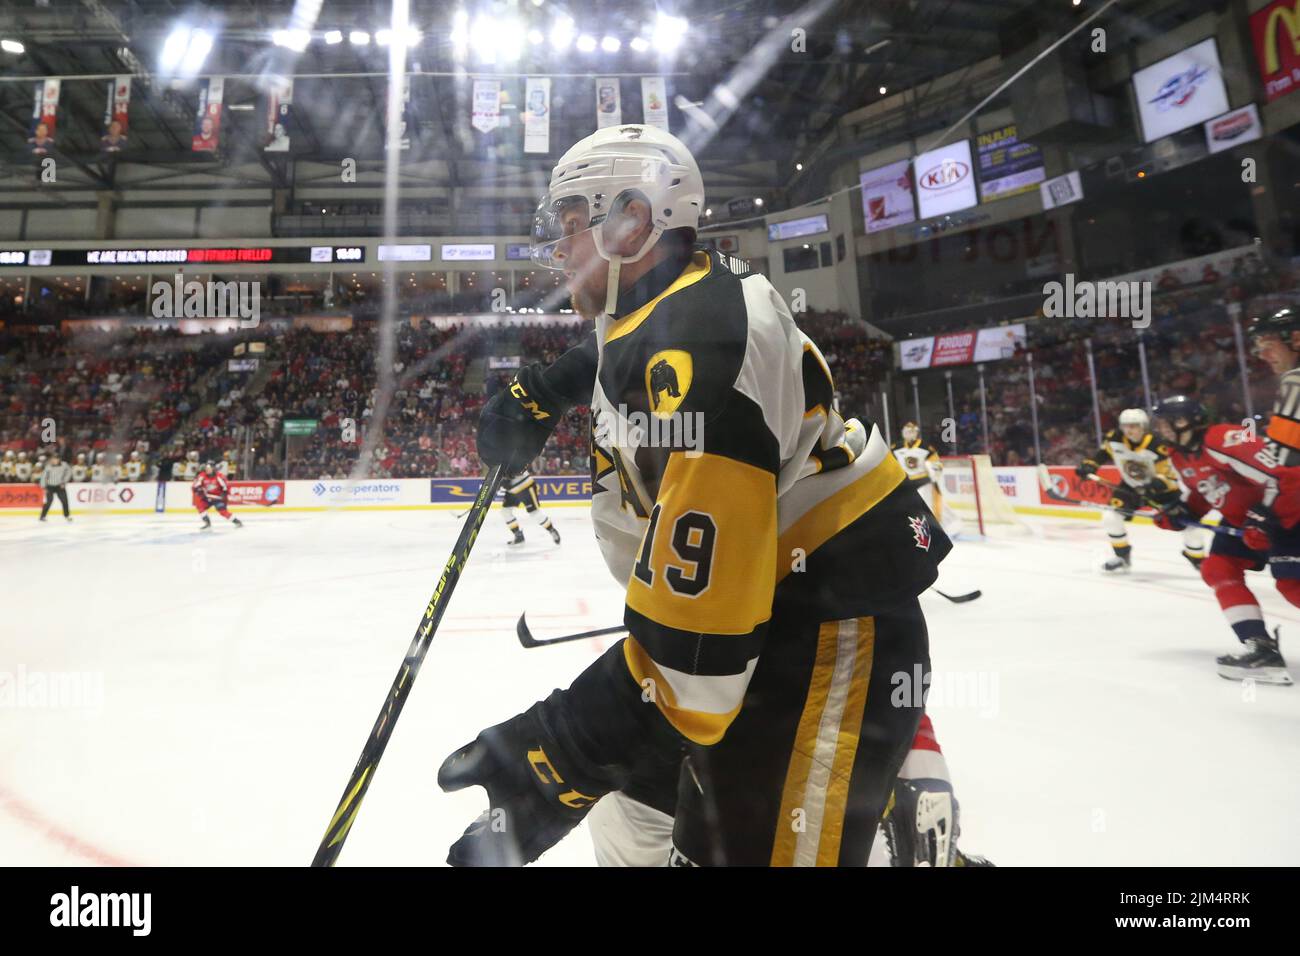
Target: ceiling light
{"x": 12, "y": 46}
{"x": 586, "y": 43}
{"x": 333, "y": 37}
{"x": 295, "y": 40}
{"x": 610, "y": 44}
{"x": 640, "y": 44}
{"x": 359, "y": 38}
{"x": 668, "y": 32}
{"x": 200, "y": 45}
{"x": 562, "y": 33}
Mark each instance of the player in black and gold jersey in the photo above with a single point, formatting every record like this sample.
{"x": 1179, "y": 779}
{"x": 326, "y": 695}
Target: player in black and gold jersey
{"x": 1146, "y": 478}
{"x": 519, "y": 490}
{"x": 772, "y": 553}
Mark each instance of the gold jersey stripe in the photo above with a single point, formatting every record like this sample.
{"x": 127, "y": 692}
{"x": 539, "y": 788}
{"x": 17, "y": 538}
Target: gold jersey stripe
{"x": 701, "y": 265}
{"x": 829, "y": 517}
{"x": 696, "y": 726}
{"x": 817, "y": 780}
{"x": 846, "y": 753}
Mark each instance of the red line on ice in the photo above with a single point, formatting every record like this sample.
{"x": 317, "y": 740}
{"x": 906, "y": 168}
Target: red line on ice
{"x": 30, "y": 816}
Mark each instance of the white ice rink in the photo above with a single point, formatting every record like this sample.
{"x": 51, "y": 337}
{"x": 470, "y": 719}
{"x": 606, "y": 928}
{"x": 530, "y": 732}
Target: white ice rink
{"x": 241, "y": 672}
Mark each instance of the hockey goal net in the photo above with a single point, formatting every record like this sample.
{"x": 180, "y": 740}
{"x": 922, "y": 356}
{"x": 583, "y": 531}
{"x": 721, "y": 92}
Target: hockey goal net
{"x": 970, "y": 488}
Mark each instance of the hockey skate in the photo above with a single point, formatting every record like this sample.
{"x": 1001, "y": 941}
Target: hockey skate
{"x": 517, "y": 539}
{"x": 555, "y": 535}
{"x": 1193, "y": 560}
{"x": 1118, "y": 565}
{"x": 236, "y": 522}
{"x": 1260, "y": 661}
{"x": 969, "y": 859}
{"x": 207, "y": 524}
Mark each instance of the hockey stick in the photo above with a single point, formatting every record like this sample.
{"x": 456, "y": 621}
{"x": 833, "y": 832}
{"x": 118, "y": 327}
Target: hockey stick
{"x": 364, "y": 772}
{"x": 959, "y": 598}
{"x": 527, "y": 640}
{"x": 1045, "y": 479}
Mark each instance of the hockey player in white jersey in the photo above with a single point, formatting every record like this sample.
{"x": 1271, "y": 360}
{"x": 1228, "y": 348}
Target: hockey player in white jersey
{"x": 772, "y": 557}
{"x": 924, "y": 468}
{"x": 1147, "y": 478}
{"x": 22, "y": 468}
{"x": 134, "y": 467}
{"x": 102, "y": 469}
{"x": 7, "y": 466}
{"x": 79, "y": 470}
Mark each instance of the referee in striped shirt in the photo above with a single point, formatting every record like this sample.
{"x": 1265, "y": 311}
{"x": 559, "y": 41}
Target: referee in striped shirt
{"x": 53, "y": 480}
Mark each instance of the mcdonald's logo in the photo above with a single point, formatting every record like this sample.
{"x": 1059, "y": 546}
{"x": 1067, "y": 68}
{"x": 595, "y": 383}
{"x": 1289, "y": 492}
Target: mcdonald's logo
{"x": 1275, "y": 31}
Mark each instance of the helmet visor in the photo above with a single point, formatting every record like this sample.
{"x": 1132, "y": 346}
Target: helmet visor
{"x": 558, "y": 220}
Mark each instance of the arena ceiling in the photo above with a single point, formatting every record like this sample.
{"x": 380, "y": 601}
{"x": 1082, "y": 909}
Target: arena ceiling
{"x": 744, "y": 96}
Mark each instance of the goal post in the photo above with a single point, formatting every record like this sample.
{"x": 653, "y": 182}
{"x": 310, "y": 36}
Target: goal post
{"x": 970, "y": 488}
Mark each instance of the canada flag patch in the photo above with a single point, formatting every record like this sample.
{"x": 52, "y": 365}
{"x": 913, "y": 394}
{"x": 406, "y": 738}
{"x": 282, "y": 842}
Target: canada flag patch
{"x": 920, "y": 531}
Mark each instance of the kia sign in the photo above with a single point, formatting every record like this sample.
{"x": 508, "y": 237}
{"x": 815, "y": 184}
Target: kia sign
{"x": 1275, "y": 31}
{"x": 1180, "y": 91}
{"x": 944, "y": 180}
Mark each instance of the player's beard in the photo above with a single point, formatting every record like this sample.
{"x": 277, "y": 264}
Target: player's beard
{"x": 587, "y": 291}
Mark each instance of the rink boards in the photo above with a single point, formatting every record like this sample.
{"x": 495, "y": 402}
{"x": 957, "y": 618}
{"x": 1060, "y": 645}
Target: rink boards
{"x": 1019, "y": 484}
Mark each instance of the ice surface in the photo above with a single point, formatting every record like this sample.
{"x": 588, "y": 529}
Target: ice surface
{"x": 242, "y": 670}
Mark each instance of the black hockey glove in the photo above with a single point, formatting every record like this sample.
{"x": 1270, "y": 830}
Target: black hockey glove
{"x": 1085, "y": 470}
{"x": 1125, "y": 499}
{"x": 534, "y": 796}
{"x": 517, "y": 421}
{"x": 1160, "y": 495}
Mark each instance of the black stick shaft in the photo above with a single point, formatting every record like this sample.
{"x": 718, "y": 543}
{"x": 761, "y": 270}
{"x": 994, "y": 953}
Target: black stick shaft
{"x": 527, "y": 640}
{"x": 362, "y": 776}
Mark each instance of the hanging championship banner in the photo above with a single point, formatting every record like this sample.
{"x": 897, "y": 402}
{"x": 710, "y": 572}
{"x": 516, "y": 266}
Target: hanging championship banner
{"x": 207, "y": 121}
{"x": 609, "y": 102}
{"x": 404, "y": 124}
{"x": 279, "y": 107}
{"x": 44, "y": 116}
{"x": 654, "y": 101}
{"x": 537, "y": 115}
{"x": 487, "y": 105}
{"x": 115, "y": 115}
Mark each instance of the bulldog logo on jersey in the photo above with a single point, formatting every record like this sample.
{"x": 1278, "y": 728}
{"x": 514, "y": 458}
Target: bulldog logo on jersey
{"x": 920, "y": 531}
{"x": 668, "y": 377}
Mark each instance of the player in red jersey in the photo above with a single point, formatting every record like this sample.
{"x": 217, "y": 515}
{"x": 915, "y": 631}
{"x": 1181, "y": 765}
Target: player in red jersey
{"x": 1228, "y": 469}
{"x": 212, "y": 491}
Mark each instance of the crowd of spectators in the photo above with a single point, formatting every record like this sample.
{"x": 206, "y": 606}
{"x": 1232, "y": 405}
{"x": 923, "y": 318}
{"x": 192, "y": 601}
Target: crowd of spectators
{"x": 150, "y": 390}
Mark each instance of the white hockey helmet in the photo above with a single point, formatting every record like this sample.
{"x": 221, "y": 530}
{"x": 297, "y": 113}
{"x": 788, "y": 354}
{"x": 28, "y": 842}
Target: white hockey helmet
{"x": 1135, "y": 416}
{"x": 81, "y": 458}
{"x": 9, "y": 455}
{"x": 22, "y": 456}
{"x": 192, "y": 456}
{"x": 599, "y": 175}
{"x": 135, "y": 456}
